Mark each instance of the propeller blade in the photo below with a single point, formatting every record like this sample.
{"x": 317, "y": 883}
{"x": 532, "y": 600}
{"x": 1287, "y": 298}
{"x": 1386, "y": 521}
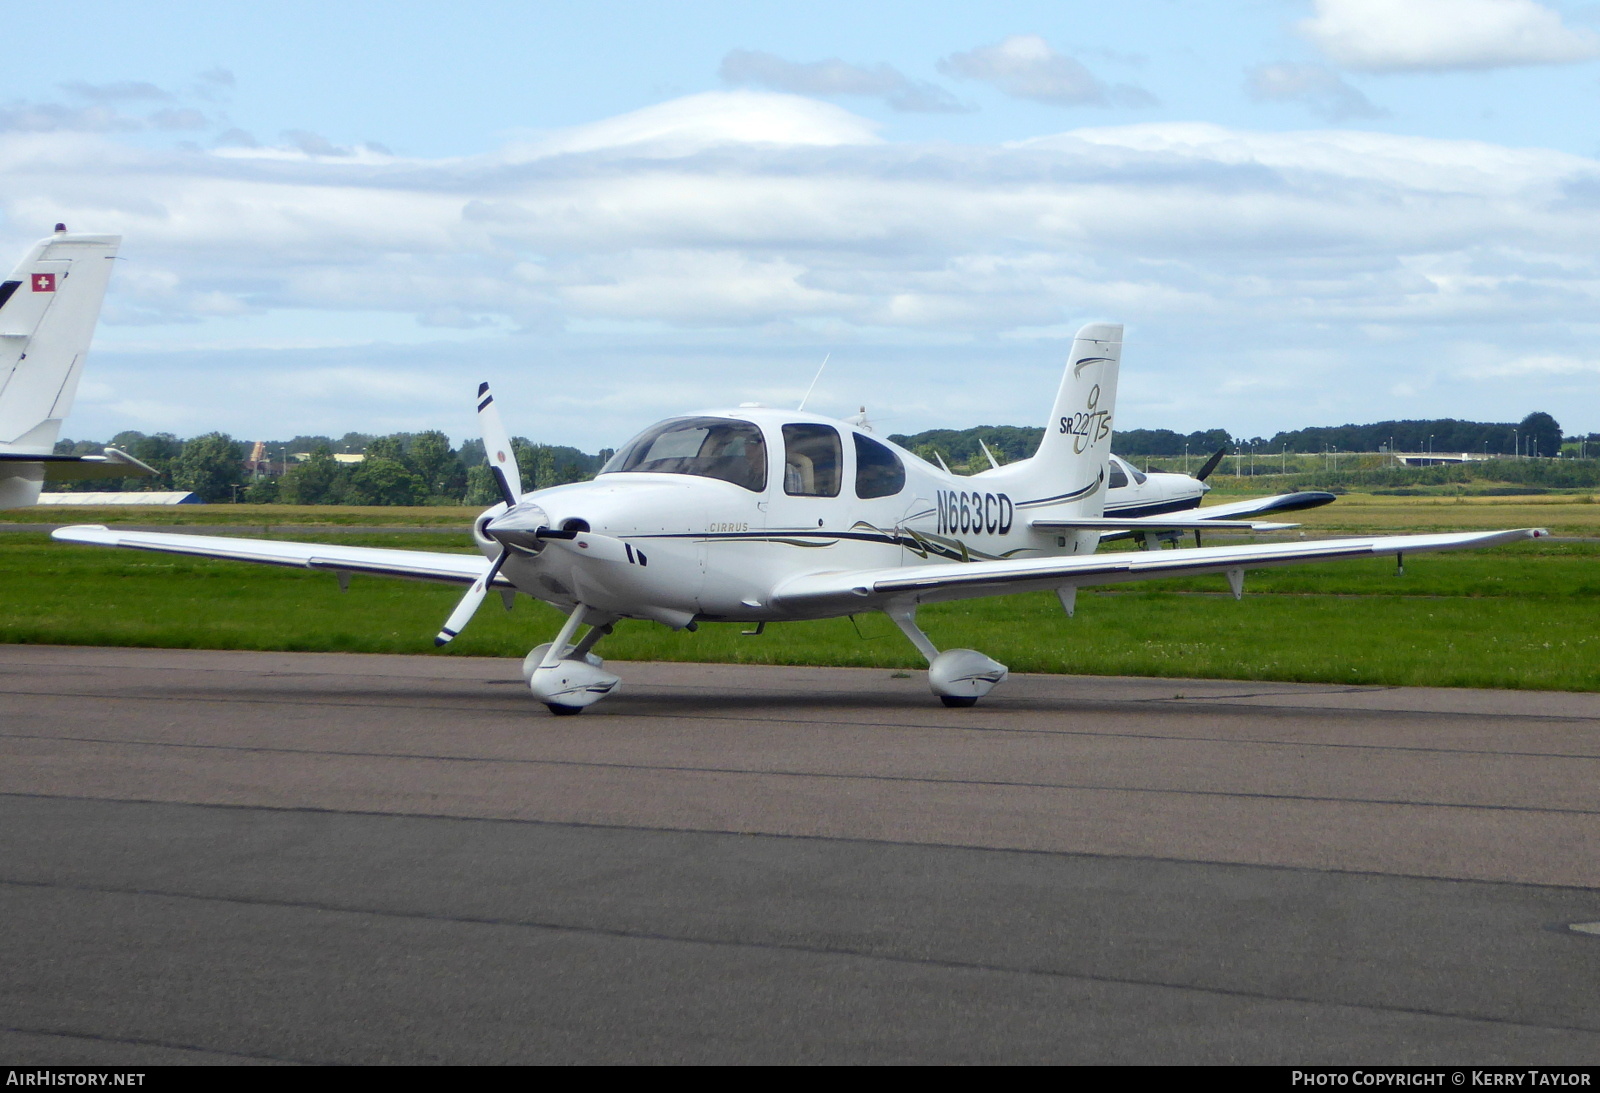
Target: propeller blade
{"x": 497, "y": 447}
{"x": 1211, "y": 464}
{"x": 469, "y": 603}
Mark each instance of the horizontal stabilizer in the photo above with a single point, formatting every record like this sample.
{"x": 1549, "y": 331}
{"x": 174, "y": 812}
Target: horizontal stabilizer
{"x": 1263, "y": 506}
{"x": 1153, "y": 523}
{"x": 79, "y": 468}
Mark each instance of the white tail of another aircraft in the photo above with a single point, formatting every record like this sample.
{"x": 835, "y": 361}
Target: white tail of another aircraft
{"x": 1069, "y": 469}
{"x": 48, "y": 310}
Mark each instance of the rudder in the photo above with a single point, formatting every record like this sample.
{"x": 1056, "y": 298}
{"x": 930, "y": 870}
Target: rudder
{"x": 48, "y": 310}
{"x": 1069, "y": 467}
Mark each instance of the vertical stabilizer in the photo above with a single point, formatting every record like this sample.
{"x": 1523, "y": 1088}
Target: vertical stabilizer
{"x": 48, "y": 310}
{"x": 1069, "y": 467}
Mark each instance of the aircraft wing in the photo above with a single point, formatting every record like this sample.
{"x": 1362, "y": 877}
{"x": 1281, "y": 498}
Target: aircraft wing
{"x": 872, "y": 589}
{"x": 419, "y": 565}
{"x": 1187, "y": 522}
{"x": 77, "y": 468}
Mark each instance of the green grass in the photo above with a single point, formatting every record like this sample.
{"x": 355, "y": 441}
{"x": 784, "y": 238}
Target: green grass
{"x": 1520, "y": 617}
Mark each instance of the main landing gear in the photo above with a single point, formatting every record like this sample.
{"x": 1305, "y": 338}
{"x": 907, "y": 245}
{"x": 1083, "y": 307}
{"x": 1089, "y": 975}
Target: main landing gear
{"x": 958, "y": 676}
{"x": 567, "y": 677}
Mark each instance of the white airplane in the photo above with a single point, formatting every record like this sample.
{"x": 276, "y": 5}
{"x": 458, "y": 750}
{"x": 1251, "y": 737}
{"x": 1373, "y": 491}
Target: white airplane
{"x": 48, "y": 309}
{"x": 761, "y": 515}
{"x": 1132, "y": 492}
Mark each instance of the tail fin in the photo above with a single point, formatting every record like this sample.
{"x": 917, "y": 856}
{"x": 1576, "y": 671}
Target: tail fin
{"x": 48, "y": 309}
{"x": 1069, "y": 467}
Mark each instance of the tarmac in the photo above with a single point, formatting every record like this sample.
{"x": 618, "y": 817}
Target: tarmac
{"x": 211, "y": 857}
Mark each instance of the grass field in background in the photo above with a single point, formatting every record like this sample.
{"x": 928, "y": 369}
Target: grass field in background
{"x": 1526, "y": 616}
{"x": 1562, "y": 513}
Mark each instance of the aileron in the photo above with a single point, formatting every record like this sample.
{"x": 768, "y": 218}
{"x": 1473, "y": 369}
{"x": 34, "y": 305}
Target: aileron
{"x": 375, "y": 561}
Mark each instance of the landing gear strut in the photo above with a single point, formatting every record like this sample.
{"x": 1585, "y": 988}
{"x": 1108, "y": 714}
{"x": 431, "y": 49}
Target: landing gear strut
{"x": 566, "y": 677}
{"x": 958, "y": 676}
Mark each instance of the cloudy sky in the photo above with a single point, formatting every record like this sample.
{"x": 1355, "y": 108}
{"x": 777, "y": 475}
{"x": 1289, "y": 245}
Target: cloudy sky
{"x": 344, "y": 216}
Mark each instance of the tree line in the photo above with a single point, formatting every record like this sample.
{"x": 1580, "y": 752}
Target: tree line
{"x": 1538, "y": 434}
{"x": 423, "y": 469}
{"x": 398, "y": 469}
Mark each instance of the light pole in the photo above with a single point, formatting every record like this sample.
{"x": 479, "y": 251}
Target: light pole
{"x": 1186, "y": 457}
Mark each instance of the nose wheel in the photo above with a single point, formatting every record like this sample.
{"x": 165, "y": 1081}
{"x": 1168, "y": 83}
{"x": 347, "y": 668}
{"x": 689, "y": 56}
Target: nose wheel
{"x": 569, "y": 678}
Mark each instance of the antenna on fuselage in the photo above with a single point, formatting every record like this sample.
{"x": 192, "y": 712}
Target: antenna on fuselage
{"x": 814, "y": 379}
{"x": 988, "y": 454}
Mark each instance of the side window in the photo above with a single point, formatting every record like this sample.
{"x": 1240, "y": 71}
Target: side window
{"x": 1117, "y": 478}
{"x": 812, "y": 459}
{"x": 879, "y": 472}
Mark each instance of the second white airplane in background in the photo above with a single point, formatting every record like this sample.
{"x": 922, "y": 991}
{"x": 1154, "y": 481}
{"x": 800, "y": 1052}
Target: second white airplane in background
{"x": 1131, "y": 492}
{"x": 758, "y": 515}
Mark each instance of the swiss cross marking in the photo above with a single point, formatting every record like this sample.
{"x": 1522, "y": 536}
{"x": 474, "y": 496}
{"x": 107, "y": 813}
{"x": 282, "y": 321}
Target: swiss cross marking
{"x": 44, "y": 282}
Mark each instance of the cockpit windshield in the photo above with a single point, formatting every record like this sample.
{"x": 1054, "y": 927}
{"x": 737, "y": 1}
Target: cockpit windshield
{"x": 709, "y": 447}
{"x": 1121, "y": 471}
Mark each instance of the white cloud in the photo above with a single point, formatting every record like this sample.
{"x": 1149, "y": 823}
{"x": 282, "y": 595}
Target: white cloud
{"x": 728, "y": 232}
{"x": 120, "y": 91}
{"x": 696, "y": 122}
{"x": 49, "y": 117}
{"x": 836, "y": 77}
{"x": 1535, "y": 366}
{"x": 107, "y": 110}
{"x": 1322, "y": 90}
{"x": 1025, "y": 67}
{"x": 726, "y": 240}
{"x": 1400, "y": 35}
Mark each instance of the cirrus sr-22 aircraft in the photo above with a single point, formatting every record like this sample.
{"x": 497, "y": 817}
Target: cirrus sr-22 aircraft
{"x": 759, "y": 515}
